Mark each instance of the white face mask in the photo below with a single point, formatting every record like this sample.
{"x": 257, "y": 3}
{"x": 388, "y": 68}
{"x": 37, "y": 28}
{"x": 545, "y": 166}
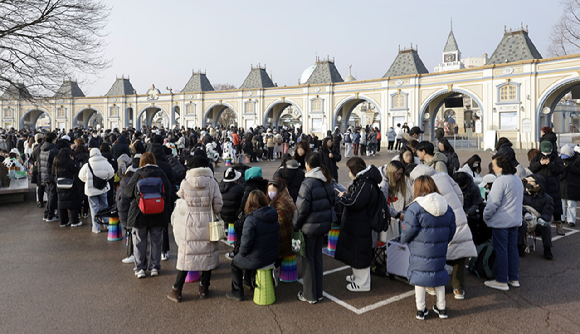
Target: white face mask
{"x": 272, "y": 194}
{"x": 352, "y": 177}
{"x": 475, "y": 164}
{"x": 546, "y": 153}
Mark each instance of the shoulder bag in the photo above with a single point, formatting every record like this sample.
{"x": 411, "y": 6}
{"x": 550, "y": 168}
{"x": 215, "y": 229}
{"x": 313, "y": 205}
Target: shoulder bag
{"x": 97, "y": 181}
{"x": 216, "y": 225}
{"x": 64, "y": 183}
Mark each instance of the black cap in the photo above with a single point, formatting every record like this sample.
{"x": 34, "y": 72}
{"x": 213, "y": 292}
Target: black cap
{"x": 415, "y": 130}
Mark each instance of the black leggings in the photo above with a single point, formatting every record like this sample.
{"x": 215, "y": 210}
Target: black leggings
{"x": 391, "y": 144}
{"x": 205, "y": 277}
{"x": 74, "y": 214}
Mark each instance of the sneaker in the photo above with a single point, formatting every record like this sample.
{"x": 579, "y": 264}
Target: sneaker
{"x": 303, "y": 299}
{"x": 515, "y": 284}
{"x": 442, "y": 313}
{"x": 458, "y": 294}
{"x": 165, "y": 256}
{"x": 39, "y": 205}
{"x": 422, "y": 314}
{"x": 430, "y": 291}
{"x": 230, "y": 295}
{"x": 497, "y": 285}
{"x": 77, "y": 224}
{"x": 64, "y": 225}
{"x": 85, "y": 216}
{"x": 129, "y": 259}
{"x": 44, "y": 219}
{"x": 96, "y": 232}
{"x": 53, "y": 219}
{"x": 140, "y": 273}
{"x": 350, "y": 278}
{"x": 548, "y": 253}
{"x": 356, "y": 288}
{"x": 230, "y": 255}
{"x": 154, "y": 272}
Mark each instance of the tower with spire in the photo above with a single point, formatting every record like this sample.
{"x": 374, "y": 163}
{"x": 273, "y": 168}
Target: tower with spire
{"x": 451, "y": 55}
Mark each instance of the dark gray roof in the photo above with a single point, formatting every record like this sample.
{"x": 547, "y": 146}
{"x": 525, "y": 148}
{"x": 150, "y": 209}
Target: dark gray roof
{"x": 197, "y": 83}
{"x": 121, "y": 87}
{"x": 18, "y": 91}
{"x": 325, "y": 72}
{"x": 69, "y": 89}
{"x": 514, "y": 46}
{"x": 451, "y": 43}
{"x": 407, "y": 62}
{"x": 258, "y": 78}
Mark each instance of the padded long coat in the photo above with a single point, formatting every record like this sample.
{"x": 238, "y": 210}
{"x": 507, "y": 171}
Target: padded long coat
{"x": 191, "y": 221}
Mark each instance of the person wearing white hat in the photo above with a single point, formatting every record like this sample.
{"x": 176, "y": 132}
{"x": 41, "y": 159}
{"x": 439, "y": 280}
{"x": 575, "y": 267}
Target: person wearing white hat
{"x": 485, "y": 185}
{"x": 570, "y": 184}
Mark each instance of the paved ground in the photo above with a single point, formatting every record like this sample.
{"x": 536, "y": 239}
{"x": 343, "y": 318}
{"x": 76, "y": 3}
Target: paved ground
{"x": 67, "y": 280}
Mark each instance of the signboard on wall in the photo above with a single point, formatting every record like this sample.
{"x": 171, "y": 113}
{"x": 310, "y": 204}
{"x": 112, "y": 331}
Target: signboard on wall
{"x": 317, "y": 125}
{"x": 478, "y": 126}
{"x": 190, "y": 124}
{"x": 398, "y": 120}
{"x": 508, "y": 120}
{"x": 61, "y": 125}
{"x": 526, "y": 125}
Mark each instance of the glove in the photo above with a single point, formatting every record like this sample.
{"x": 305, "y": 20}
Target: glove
{"x": 542, "y": 222}
{"x": 528, "y": 216}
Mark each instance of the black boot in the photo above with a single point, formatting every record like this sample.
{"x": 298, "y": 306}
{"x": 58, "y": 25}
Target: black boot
{"x": 548, "y": 253}
{"x": 522, "y": 251}
{"x": 202, "y": 292}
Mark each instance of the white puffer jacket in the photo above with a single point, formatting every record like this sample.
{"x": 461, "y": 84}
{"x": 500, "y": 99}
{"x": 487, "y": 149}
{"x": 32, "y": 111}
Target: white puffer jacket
{"x": 462, "y": 245}
{"x": 102, "y": 169}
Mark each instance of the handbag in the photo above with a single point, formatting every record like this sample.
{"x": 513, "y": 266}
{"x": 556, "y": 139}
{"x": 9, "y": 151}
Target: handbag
{"x": 216, "y": 226}
{"x": 298, "y": 245}
{"x": 64, "y": 183}
{"x": 97, "y": 181}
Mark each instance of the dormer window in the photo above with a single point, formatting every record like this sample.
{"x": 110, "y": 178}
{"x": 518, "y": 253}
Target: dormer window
{"x": 508, "y": 93}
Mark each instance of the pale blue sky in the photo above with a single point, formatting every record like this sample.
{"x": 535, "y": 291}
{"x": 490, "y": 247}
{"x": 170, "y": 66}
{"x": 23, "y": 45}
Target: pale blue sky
{"x": 160, "y": 42}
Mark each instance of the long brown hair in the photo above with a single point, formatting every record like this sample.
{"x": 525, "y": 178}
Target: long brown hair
{"x": 280, "y": 185}
{"x": 147, "y": 158}
{"x": 424, "y": 185}
{"x": 256, "y": 200}
{"x": 398, "y": 187}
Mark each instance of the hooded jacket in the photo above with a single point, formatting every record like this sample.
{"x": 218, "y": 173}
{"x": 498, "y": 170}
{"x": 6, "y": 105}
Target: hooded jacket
{"x": 329, "y": 162}
{"x": 161, "y": 160}
{"x": 121, "y": 147}
{"x": 314, "y": 205}
{"x": 474, "y": 175}
{"x": 47, "y": 153}
{"x": 472, "y": 199}
{"x": 551, "y": 173}
{"x": 354, "y": 245}
{"x": 507, "y": 149}
{"x": 259, "y": 240}
{"x": 428, "y": 228}
{"x": 541, "y": 201}
{"x": 101, "y": 167}
{"x": 68, "y": 198}
{"x": 293, "y": 176}
{"x": 123, "y": 202}
{"x": 504, "y": 202}
{"x": 462, "y": 245}
{"x": 570, "y": 179}
{"x": 191, "y": 228}
{"x": 391, "y": 134}
{"x": 252, "y": 184}
{"x": 232, "y": 194}
{"x": 438, "y": 162}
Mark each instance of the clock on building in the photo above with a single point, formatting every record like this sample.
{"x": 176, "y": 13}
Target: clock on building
{"x": 449, "y": 57}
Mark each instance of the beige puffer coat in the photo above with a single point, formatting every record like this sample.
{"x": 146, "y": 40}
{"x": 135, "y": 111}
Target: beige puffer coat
{"x": 191, "y": 219}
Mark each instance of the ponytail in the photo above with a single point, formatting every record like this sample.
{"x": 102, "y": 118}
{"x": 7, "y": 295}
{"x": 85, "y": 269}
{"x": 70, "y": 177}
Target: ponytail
{"x": 326, "y": 174}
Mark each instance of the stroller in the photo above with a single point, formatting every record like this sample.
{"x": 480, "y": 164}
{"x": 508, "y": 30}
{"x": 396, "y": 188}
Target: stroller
{"x": 113, "y": 226}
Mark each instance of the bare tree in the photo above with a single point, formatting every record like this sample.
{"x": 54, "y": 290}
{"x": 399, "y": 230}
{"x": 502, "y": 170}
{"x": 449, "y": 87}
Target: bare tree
{"x": 565, "y": 37}
{"x": 43, "y": 42}
{"x": 225, "y": 86}
{"x": 227, "y": 118}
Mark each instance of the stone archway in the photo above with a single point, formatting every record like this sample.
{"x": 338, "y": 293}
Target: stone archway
{"x": 88, "y": 117}
{"x": 153, "y": 116}
{"x": 345, "y": 108}
{"x": 275, "y": 112}
{"x": 550, "y": 100}
{"x": 31, "y": 117}
{"x": 215, "y": 111}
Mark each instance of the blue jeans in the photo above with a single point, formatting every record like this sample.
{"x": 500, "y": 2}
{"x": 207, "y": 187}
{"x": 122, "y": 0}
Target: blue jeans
{"x": 507, "y": 260}
{"x": 97, "y": 203}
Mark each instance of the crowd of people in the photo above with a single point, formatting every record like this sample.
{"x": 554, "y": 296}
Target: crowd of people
{"x": 441, "y": 209}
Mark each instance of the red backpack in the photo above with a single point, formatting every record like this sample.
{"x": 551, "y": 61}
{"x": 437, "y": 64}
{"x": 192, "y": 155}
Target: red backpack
{"x": 151, "y": 195}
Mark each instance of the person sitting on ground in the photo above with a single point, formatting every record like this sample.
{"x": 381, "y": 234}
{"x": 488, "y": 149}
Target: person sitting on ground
{"x": 472, "y": 167}
{"x": 259, "y": 242}
{"x": 538, "y": 207}
{"x": 452, "y": 159}
{"x": 281, "y": 201}
{"x": 473, "y": 207}
{"x": 428, "y": 156}
{"x": 428, "y": 226}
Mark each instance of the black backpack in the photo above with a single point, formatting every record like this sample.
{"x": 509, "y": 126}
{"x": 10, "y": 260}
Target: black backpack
{"x": 483, "y": 266}
{"x": 381, "y": 217}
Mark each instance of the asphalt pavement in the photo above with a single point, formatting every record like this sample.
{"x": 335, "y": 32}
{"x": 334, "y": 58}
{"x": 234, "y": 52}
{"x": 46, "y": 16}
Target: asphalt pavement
{"x": 69, "y": 280}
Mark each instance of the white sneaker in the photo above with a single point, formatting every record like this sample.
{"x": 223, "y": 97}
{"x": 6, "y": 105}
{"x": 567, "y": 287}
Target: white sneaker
{"x": 96, "y": 231}
{"x": 77, "y": 224}
{"x": 356, "y": 288}
{"x": 350, "y": 278}
{"x": 154, "y": 272}
{"x": 497, "y": 285}
{"x": 129, "y": 259}
{"x": 515, "y": 284}
{"x": 165, "y": 256}
{"x": 430, "y": 291}
{"x": 140, "y": 273}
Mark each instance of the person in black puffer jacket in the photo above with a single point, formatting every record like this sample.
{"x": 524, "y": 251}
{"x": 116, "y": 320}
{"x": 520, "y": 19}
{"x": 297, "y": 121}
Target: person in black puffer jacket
{"x": 291, "y": 173}
{"x": 570, "y": 184}
{"x": 121, "y": 147}
{"x": 330, "y": 155}
{"x": 536, "y": 197}
{"x": 550, "y": 166}
{"x": 259, "y": 242}
{"x": 48, "y": 152}
{"x": 147, "y": 226}
{"x": 177, "y": 167}
{"x": 314, "y": 215}
{"x": 232, "y": 193}
{"x": 68, "y": 199}
{"x": 123, "y": 205}
{"x": 354, "y": 245}
{"x": 160, "y": 156}
{"x": 472, "y": 201}
{"x": 548, "y": 135}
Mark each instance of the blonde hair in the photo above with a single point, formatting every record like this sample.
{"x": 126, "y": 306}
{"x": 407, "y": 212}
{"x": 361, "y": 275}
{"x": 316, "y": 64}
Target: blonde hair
{"x": 399, "y": 186}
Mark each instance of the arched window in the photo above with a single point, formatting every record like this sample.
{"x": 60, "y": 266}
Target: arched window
{"x": 508, "y": 93}
{"x": 8, "y": 113}
{"x": 190, "y": 109}
{"x": 399, "y": 101}
{"x": 114, "y": 111}
{"x": 317, "y": 105}
{"x": 249, "y": 107}
{"x": 61, "y": 112}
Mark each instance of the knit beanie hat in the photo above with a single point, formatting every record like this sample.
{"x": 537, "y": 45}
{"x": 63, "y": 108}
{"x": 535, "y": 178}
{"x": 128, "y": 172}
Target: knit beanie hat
{"x": 252, "y": 173}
